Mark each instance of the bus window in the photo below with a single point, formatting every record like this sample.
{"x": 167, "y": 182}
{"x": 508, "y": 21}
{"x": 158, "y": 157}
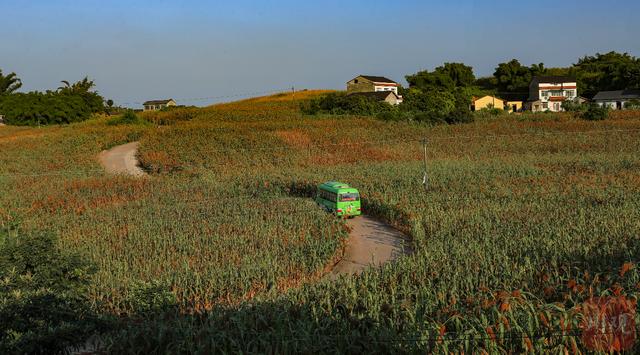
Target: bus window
{"x": 349, "y": 197}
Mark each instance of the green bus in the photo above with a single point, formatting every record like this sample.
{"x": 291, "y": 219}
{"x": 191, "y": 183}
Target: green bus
{"x": 339, "y": 198}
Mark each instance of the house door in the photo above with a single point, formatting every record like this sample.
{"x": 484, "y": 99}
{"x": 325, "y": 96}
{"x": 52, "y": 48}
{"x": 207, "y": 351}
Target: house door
{"x": 556, "y": 106}
{"x": 619, "y": 105}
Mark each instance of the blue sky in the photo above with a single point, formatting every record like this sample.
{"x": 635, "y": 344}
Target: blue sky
{"x": 138, "y": 50}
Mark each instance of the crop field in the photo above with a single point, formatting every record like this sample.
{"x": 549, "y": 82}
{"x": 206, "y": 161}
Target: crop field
{"x": 523, "y": 218}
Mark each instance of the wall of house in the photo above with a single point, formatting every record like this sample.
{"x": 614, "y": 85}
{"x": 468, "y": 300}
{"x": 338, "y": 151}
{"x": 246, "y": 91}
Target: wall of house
{"x": 386, "y": 88}
{"x": 488, "y": 101}
{"x": 612, "y": 104}
{"x": 363, "y": 85}
{"x": 510, "y": 105}
{"x": 393, "y": 100}
{"x": 536, "y": 89}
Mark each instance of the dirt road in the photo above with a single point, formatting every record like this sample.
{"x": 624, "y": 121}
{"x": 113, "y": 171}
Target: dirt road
{"x": 122, "y": 160}
{"x": 371, "y": 243}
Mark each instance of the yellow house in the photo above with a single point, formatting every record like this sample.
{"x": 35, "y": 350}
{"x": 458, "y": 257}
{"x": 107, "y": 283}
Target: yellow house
{"x": 513, "y": 106}
{"x": 478, "y": 103}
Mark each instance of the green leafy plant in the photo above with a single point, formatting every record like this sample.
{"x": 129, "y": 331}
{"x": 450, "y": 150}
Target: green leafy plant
{"x": 595, "y": 112}
{"x": 129, "y": 117}
{"x": 43, "y": 304}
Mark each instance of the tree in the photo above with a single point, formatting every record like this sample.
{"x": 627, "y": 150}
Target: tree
{"x": 110, "y": 103}
{"x": 83, "y": 88}
{"x": 430, "y": 105}
{"x": 446, "y": 77}
{"x": 9, "y": 83}
{"x": 514, "y": 77}
{"x": 610, "y": 71}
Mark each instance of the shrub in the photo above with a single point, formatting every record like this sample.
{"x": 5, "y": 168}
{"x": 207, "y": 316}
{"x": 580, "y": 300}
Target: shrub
{"x": 149, "y": 298}
{"x": 37, "y": 108}
{"x": 342, "y": 104}
{"x": 128, "y": 117}
{"x": 43, "y": 306}
{"x": 632, "y": 104}
{"x": 595, "y": 112}
{"x": 171, "y": 115}
{"x": 574, "y": 106}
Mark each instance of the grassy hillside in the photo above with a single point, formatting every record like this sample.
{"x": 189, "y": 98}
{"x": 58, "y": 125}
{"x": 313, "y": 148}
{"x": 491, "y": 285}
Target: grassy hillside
{"x": 524, "y": 218}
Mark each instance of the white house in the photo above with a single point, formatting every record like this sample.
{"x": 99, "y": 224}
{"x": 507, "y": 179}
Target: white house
{"x": 616, "y": 100}
{"x": 547, "y": 93}
{"x": 155, "y": 105}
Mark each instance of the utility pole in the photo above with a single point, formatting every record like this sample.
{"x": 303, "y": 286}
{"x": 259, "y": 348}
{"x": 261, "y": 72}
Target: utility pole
{"x": 425, "y": 179}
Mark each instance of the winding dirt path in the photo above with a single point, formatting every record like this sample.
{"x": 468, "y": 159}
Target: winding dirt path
{"x": 122, "y": 160}
{"x": 371, "y": 243}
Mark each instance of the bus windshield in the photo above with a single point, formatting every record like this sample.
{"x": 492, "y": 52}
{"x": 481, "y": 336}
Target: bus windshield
{"x": 349, "y": 197}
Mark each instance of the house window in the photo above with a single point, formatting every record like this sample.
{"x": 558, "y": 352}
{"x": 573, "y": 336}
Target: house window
{"x": 545, "y": 93}
{"x": 570, "y": 93}
{"x": 545, "y": 105}
{"x": 355, "y": 81}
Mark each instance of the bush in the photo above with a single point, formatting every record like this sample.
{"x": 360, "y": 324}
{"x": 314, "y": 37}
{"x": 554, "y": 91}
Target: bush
{"x": 632, "y": 104}
{"x": 574, "y": 106}
{"x": 128, "y": 117}
{"x": 171, "y": 115}
{"x": 150, "y": 298}
{"x": 37, "y": 108}
{"x": 595, "y": 113}
{"x": 43, "y": 306}
{"x": 342, "y": 104}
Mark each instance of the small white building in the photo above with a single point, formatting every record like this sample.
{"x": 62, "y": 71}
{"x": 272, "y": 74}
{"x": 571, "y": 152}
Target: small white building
{"x": 547, "y": 93}
{"x": 155, "y": 105}
{"x": 616, "y": 100}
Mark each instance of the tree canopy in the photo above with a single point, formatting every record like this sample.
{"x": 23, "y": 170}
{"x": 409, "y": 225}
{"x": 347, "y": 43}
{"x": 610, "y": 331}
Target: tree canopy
{"x": 446, "y": 77}
{"x": 610, "y": 71}
{"x": 513, "y": 77}
{"x": 9, "y": 83}
{"x": 70, "y": 103}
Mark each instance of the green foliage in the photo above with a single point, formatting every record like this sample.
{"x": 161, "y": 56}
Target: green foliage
{"x": 432, "y": 106}
{"x": 446, "y": 77}
{"x": 514, "y": 77}
{"x": 82, "y": 88}
{"x": 596, "y": 112}
{"x": 170, "y": 115}
{"x": 36, "y": 108}
{"x": 632, "y": 104}
{"x": 72, "y": 103}
{"x": 43, "y": 308}
{"x": 128, "y": 117}
{"x": 610, "y": 71}
{"x": 9, "y": 83}
{"x": 150, "y": 298}
{"x": 574, "y": 106}
{"x": 342, "y": 104}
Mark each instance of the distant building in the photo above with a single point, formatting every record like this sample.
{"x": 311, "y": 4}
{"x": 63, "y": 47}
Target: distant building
{"x": 514, "y": 102}
{"x": 616, "y": 100}
{"x": 389, "y": 97}
{"x": 368, "y": 83}
{"x": 488, "y": 102}
{"x": 547, "y": 93}
{"x": 155, "y": 105}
